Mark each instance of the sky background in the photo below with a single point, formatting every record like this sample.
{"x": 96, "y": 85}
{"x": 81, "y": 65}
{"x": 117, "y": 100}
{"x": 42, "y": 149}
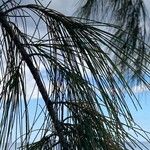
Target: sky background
{"x": 142, "y": 116}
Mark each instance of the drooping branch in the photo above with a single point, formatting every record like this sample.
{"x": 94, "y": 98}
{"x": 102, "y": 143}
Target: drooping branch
{"x": 25, "y": 56}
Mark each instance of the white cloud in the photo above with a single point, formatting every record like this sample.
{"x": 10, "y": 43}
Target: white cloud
{"x": 66, "y": 7}
{"x": 139, "y": 89}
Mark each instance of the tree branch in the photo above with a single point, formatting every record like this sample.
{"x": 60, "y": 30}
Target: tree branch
{"x": 57, "y": 124}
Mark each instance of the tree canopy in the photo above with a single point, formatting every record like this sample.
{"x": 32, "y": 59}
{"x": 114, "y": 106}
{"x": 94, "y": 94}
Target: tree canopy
{"x": 65, "y": 79}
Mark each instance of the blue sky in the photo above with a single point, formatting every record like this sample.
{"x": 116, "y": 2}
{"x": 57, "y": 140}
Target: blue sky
{"x": 142, "y": 116}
